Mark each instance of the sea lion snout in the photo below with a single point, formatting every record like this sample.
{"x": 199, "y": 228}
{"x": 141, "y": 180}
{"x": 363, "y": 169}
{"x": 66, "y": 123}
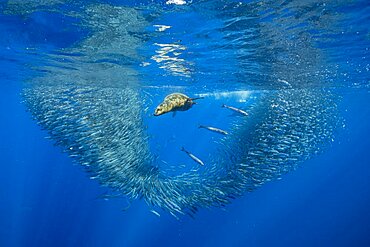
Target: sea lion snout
{"x": 159, "y": 111}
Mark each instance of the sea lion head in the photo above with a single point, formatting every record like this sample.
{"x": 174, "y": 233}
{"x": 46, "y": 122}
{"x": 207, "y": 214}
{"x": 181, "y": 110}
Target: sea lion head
{"x": 161, "y": 109}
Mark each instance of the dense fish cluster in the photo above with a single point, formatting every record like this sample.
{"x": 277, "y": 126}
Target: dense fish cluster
{"x": 102, "y": 129}
{"x": 293, "y": 126}
{"x": 90, "y": 101}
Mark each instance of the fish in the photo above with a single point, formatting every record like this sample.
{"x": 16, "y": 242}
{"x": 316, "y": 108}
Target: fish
{"x": 216, "y": 130}
{"x": 155, "y": 212}
{"x": 102, "y": 128}
{"x": 244, "y": 113}
{"x": 192, "y": 156}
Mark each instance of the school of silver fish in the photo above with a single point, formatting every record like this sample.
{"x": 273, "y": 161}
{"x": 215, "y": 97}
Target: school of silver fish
{"x": 93, "y": 111}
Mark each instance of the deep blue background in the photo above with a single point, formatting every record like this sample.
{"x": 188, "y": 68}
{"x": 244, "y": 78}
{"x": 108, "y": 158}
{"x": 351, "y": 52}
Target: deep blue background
{"x": 46, "y": 200}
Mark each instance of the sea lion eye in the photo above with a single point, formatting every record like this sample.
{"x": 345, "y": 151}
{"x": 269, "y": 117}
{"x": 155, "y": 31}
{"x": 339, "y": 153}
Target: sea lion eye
{"x": 158, "y": 110}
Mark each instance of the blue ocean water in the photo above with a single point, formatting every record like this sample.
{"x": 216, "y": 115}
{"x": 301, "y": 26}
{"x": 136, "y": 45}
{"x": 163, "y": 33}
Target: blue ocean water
{"x": 230, "y": 52}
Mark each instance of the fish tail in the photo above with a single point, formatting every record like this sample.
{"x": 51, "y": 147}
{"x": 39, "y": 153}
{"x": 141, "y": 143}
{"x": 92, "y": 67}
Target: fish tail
{"x": 223, "y": 105}
{"x": 201, "y": 126}
{"x": 183, "y": 149}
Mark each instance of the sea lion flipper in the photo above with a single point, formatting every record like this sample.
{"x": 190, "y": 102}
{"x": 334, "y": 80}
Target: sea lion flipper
{"x": 192, "y": 99}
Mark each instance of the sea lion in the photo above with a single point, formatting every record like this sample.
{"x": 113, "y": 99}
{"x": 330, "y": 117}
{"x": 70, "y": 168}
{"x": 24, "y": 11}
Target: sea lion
{"x": 175, "y": 102}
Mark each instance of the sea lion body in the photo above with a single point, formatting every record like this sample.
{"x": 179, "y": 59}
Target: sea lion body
{"x": 174, "y": 102}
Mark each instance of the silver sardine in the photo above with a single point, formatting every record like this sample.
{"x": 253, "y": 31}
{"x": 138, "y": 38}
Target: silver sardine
{"x": 244, "y": 113}
{"x": 192, "y": 156}
{"x": 219, "y": 131}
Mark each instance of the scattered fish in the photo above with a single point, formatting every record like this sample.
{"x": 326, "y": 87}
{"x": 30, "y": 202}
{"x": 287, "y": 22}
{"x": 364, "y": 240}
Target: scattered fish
{"x": 155, "y": 212}
{"x": 192, "y": 156}
{"x": 216, "y": 130}
{"x": 244, "y": 113}
{"x": 107, "y": 196}
{"x": 101, "y": 128}
{"x": 127, "y": 207}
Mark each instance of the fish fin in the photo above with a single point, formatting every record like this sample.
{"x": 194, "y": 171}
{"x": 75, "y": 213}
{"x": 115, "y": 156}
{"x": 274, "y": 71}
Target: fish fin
{"x": 173, "y": 113}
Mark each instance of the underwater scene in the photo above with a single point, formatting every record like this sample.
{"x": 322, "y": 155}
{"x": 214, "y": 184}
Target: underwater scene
{"x": 184, "y": 123}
